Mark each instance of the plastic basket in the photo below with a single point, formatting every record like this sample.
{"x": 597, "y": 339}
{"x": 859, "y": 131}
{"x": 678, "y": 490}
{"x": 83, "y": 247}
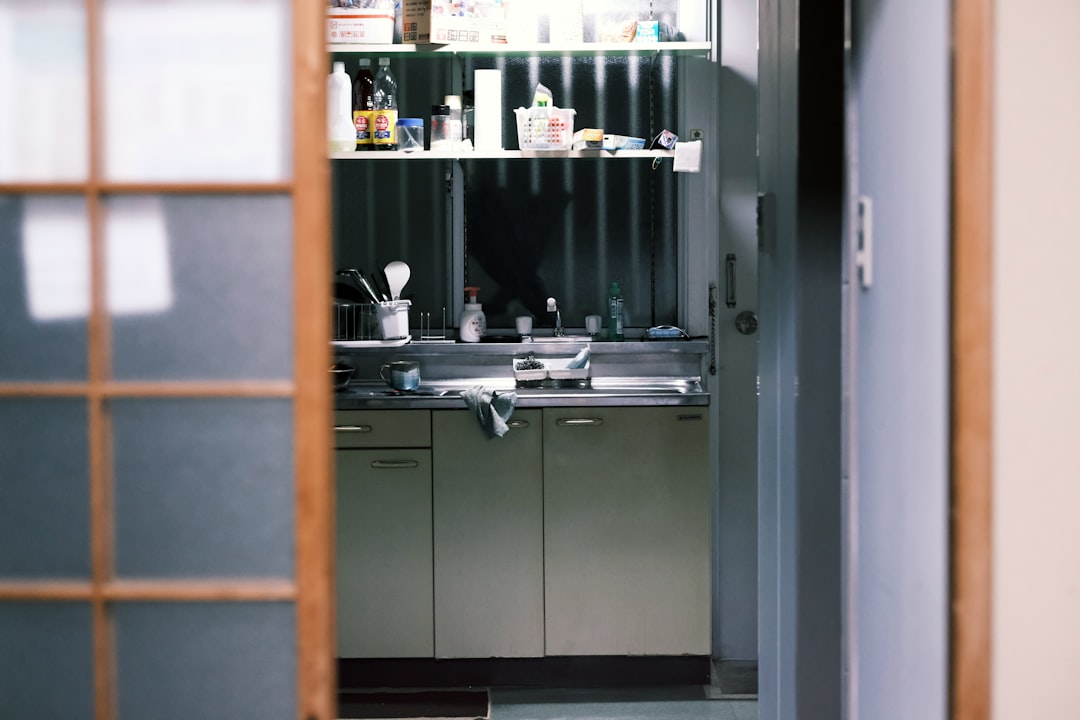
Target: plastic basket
{"x": 555, "y": 131}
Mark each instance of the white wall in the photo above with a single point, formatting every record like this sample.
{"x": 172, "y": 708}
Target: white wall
{"x": 1036, "y": 356}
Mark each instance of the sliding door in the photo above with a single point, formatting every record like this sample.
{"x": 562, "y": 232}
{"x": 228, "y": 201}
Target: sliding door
{"x": 165, "y": 496}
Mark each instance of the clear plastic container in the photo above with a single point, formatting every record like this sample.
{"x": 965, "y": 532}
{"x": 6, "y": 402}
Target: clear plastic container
{"x": 441, "y": 137}
{"x": 410, "y": 134}
{"x": 545, "y": 128}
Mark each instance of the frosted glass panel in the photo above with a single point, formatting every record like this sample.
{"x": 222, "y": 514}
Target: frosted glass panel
{"x": 46, "y": 661}
{"x": 200, "y": 287}
{"x": 44, "y": 287}
{"x": 44, "y": 489}
{"x": 197, "y": 90}
{"x": 43, "y": 86}
{"x": 204, "y": 487}
{"x": 207, "y": 661}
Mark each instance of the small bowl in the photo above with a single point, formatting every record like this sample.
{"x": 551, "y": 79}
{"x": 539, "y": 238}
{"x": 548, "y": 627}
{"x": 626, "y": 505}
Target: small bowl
{"x": 341, "y": 375}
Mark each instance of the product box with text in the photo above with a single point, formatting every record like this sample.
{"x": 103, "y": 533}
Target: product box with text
{"x": 481, "y": 22}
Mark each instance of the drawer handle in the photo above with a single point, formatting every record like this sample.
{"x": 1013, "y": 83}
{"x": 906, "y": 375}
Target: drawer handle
{"x": 394, "y": 464}
{"x": 518, "y": 424}
{"x": 579, "y": 421}
{"x": 352, "y": 428}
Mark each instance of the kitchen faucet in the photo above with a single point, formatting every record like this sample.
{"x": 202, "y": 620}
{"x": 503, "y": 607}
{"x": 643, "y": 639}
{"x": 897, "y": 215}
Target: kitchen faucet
{"x": 552, "y": 307}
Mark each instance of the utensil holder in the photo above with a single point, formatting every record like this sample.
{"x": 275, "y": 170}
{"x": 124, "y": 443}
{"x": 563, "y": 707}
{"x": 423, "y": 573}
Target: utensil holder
{"x": 393, "y": 319}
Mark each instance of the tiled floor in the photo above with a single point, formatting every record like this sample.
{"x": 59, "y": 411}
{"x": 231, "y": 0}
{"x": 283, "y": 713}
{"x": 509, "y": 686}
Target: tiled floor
{"x": 617, "y": 704}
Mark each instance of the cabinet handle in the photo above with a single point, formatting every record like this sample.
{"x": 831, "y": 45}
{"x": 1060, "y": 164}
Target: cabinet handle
{"x": 394, "y": 464}
{"x": 352, "y": 428}
{"x": 518, "y": 424}
{"x": 579, "y": 421}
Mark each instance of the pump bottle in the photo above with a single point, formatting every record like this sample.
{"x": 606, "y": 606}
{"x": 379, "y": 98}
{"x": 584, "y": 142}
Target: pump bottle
{"x": 473, "y": 325}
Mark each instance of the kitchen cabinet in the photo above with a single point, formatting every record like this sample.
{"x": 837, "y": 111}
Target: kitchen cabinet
{"x": 384, "y": 542}
{"x": 626, "y": 531}
{"x": 488, "y": 533}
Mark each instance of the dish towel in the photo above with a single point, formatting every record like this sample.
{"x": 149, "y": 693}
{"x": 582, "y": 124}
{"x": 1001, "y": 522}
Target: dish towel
{"x": 492, "y": 408}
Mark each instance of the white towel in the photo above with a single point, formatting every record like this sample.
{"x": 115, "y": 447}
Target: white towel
{"x": 493, "y": 409}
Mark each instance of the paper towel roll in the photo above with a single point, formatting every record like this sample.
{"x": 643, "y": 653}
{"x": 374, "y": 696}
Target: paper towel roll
{"x": 487, "y": 90}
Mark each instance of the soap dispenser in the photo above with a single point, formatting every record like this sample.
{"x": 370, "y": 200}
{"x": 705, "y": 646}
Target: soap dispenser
{"x": 473, "y": 325}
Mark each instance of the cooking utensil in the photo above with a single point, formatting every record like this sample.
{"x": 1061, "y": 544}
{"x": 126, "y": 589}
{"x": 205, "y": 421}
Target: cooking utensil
{"x": 357, "y": 278}
{"x": 397, "y": 274}
{"x": 379, "y": 279}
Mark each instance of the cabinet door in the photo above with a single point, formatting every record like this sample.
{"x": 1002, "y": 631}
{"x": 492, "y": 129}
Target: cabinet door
{"x": 384, "y": 586}
{"x": 489, "y": 562}
{"x": 626, "y": 531}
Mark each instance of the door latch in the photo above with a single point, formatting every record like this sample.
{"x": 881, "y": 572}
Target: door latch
{"x": 864, "y": 253}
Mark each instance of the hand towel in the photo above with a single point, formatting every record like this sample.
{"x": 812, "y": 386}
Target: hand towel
{"x": 492, "y": 408}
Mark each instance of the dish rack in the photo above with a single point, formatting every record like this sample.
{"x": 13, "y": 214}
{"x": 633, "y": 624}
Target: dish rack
{"x": 550, "y": 130}
{"x": 355, "y": 321}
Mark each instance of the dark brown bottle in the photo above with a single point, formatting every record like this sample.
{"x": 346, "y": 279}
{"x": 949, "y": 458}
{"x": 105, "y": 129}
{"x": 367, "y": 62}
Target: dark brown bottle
{"x": 364, "y": 104}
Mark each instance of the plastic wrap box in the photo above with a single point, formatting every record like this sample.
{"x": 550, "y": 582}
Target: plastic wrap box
{"x": 482, "y": 22}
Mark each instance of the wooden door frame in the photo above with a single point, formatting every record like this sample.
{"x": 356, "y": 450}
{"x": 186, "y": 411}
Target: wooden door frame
{"x": 315, "y": 610}
{"x": 972, "y": 408}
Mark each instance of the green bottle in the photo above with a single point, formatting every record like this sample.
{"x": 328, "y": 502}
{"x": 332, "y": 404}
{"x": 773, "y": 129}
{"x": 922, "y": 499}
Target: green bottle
{"x": 615, "y": 313}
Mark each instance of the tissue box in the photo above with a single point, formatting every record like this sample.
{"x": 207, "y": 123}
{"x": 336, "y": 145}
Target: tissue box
{"x": 622, "y": 142}
{"x": 453, "y": 21}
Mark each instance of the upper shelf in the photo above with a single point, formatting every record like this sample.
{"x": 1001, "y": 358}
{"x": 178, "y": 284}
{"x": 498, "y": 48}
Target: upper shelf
{"x": 500, "y": 154}
{"x": 582, "y": 49}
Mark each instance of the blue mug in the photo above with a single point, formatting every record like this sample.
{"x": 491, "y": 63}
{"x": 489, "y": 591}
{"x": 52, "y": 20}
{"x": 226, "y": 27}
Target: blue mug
{"x": 401, "y": 375}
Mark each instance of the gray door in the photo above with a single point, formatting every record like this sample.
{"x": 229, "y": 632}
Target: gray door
{"x": 896, "y": 360}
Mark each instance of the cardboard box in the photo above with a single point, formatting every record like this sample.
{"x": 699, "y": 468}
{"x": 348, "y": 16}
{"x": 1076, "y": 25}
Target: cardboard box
{"x": 346, "y": 26}
{"x": 623, "y": 142}
{"x": 588, "y": 139}
{"x": 482, "y": 22}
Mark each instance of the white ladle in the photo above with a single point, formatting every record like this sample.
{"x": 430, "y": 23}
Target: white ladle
{"x": 397, "y": 274}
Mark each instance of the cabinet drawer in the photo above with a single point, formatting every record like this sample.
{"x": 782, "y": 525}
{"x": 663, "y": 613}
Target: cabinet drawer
{"x": 382, "y": 428}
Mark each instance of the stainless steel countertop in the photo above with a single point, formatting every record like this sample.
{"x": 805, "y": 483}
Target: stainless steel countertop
{"x": 610, "y": 392}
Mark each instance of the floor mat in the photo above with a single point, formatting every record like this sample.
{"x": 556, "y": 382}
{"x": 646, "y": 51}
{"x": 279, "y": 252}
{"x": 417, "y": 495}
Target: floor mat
{"x": 367, "y": 705}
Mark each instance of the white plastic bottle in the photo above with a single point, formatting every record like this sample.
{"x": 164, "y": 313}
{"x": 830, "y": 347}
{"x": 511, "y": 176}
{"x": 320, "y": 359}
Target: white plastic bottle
{"x": 473, "y": 325}
{"x": 341, "y": 131}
